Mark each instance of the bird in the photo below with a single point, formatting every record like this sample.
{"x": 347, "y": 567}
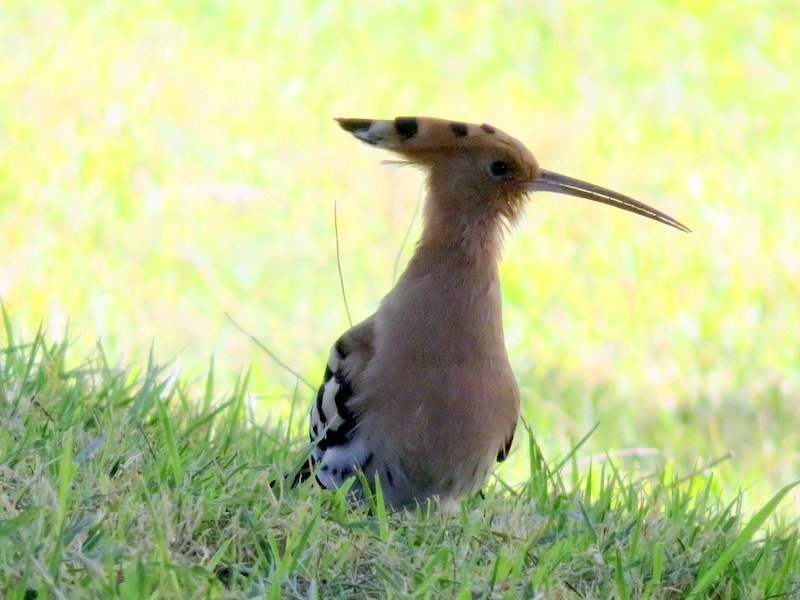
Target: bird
{"x": 421, "y": 395}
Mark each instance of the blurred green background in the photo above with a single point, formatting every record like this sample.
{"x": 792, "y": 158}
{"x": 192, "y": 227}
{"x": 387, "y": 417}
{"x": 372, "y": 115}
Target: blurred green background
{"x": 162, "y": 163}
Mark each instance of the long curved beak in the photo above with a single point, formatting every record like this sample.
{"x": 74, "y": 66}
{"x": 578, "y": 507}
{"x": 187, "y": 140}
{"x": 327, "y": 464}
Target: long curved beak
{"x": 548, "y": 181}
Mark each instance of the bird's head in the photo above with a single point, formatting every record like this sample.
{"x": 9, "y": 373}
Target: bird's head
{"x": 478, "y": 169}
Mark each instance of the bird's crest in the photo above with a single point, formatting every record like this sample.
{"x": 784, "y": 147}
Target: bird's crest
{"x": 406, "y": 134}
{"x": 422, "y": 140}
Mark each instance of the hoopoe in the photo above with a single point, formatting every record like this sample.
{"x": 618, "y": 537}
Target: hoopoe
{"x": 421, "y": 394}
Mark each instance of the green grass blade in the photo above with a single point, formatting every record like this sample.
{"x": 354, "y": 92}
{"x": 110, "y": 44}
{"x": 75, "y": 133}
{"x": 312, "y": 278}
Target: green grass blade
{"x": 66, "y": 472}
{"x": 7, "y": 325}
{"x": 738, "y": 544}
{"x": 209, "y": 389}
{"x": 173, "y": 455}
{"x": 658, "y": 566}
{"x": 575, "y": 448}
{"x": 380, "y": 509}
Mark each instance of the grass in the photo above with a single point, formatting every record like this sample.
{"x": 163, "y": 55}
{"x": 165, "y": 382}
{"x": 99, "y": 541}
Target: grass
{"x": 129, "y": 484}
{"x": 163, "y": 164}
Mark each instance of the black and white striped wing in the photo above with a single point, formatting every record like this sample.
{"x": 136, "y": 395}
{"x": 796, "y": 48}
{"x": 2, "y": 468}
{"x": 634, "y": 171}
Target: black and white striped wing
{"x": 339, "y": 449}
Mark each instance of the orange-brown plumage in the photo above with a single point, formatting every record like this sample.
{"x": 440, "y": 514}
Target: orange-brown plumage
{"x": 422, "y": 394}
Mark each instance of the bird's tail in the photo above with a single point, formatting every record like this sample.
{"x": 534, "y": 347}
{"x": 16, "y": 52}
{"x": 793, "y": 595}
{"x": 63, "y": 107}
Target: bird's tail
{"x": 300, "y": 473}
{"x": 303, "y": 474}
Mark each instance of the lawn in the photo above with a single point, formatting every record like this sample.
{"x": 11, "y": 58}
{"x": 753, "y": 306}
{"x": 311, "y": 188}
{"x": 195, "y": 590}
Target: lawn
{"x": 165, "y": 163}
{"x": 140, "y": 485}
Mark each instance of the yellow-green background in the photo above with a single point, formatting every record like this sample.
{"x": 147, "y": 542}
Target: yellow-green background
{"x": 162, "y": 163}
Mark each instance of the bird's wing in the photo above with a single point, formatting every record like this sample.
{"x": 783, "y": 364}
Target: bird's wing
{"x": 333, "y": 421}
{"x": 503, "y": 454}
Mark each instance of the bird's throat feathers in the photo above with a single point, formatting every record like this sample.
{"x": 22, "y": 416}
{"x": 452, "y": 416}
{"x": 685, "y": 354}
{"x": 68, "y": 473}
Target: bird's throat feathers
{"x": 466, "y": 222}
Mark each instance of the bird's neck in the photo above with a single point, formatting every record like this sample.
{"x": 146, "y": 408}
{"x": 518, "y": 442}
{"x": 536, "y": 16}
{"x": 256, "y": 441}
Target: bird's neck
{"x": 456, "y": 233}
{"x": 450, "y": 289}
{"x": 456, "y": 263}
{"x": 451, "y": 300}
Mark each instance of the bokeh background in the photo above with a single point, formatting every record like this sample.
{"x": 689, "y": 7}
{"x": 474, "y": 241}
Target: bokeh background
{"x": 165, "y": 162}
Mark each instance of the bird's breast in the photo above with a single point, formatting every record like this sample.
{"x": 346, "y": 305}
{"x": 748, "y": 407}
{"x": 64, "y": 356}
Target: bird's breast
{"x": 450, "y": 317}
{"x": 440, "y": 369}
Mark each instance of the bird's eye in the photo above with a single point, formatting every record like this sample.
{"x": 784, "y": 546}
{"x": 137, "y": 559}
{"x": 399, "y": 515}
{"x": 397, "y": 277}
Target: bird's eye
{"x": 499, "y": 168}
